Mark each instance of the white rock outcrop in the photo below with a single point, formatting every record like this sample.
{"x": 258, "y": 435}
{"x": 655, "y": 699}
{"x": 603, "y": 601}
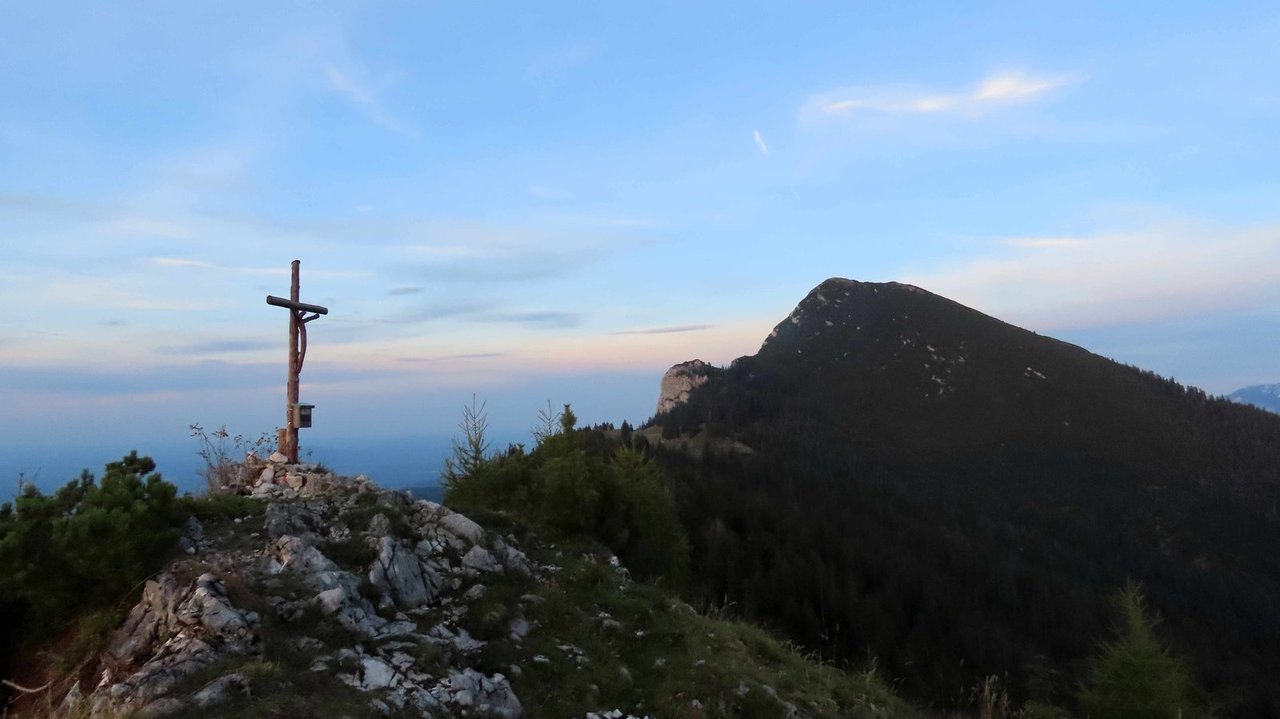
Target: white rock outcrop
{"x": 329, "y": 553}
{"x": 679, "y": 381}
{"x": 176, "y": 630}
{"x": 403, "y": 577}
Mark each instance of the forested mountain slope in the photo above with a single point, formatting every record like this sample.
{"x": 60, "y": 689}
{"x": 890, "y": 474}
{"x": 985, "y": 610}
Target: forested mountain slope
{"x": 959, "y": 496}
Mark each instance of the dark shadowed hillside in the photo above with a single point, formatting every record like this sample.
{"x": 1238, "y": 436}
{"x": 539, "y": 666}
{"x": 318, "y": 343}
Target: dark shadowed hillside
{"x": 960, "y": 497}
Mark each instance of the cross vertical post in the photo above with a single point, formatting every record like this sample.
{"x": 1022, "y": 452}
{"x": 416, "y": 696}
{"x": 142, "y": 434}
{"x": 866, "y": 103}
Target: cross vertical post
{"x": 290, "y": 448}
{"x": 287, "y": 436}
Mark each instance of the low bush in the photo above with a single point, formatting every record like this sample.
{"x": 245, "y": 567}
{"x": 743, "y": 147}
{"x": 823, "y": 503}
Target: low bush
{"x": 611, "y": 493}
{"x": 90, "y": 543}
{"x": 72, "y": 560}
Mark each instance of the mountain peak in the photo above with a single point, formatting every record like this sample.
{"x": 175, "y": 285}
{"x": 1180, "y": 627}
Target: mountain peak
{"x": 1263, "y": 396}
{"x": 903, "y": 374}
{"x": 846, "y": 308}
{"x": 917, "y": 439}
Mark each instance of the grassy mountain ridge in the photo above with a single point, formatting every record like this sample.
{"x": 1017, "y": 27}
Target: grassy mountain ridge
{"x": 959, "y": 497}
{"x": 326, "y": 596}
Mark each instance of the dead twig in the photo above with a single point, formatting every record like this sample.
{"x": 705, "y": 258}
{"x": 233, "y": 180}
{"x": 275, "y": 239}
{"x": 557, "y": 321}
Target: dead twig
{"x": 25, "y": 690}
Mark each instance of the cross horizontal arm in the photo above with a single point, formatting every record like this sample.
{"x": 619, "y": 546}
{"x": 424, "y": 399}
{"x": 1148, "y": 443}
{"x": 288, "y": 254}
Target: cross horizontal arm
{"x": 281, "y": 302}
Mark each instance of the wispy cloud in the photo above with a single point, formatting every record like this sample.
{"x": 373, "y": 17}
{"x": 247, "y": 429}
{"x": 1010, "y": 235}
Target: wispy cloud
{"x": 446, "y": 311}
{"x": 250, "y": 270}
{"x": 1177, "y": 268}
{"x": 366, "y": 99}
{"x": 97, "y": 381}
{"x": 513, "y": 265}
{"x": 48, "y": 205}
{"x": 487, "y": 313}
{"x": 221, "y": 346}
{"x": 990, "y": 93}
{"x": 540, "y": 320}
{"x": 764, "y": 149}
{"x": 454, "y": 358}
{"x": 182, "y": 262}
{"x": 665, "y": 330}
{"x": 112, "y": 293}
{"x": 401, "y": 291}
{"x": 1014, "y": 87}
{"x": 217, "y": 167}
{"x": 217, "y": 375}
{"x": 137, "y": 226}
{"x": 1044, "y": 243}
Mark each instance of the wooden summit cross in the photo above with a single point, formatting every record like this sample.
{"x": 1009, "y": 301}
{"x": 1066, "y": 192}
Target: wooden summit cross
{"x": 295, "y": 415}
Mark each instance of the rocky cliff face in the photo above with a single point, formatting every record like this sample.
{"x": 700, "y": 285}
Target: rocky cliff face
{"x": 679, "y": 381}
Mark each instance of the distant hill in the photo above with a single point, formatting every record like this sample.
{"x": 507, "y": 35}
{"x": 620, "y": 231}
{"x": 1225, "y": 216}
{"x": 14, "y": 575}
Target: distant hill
{"x": 1263, "y": 396}
{"x": 959, "y": 496}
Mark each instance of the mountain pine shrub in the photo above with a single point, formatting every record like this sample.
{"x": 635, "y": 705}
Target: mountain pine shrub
{"x": 89, "y": 543}
{"x": 614, "y": 494}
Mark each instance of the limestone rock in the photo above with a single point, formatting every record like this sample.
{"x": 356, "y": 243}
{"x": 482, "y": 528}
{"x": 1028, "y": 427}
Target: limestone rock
{"x": 303, "y": 520}
{"x": 480, "y": 559}
{"x": 337, "y": 591}
{"x": 461, "y": 528}
{"x": 191, "y": 536}
{"x": 399, "y": 574}
{"x": 72, "y": 701}
{"x": 174, "y": 631}
{"x": 192, "y": 529}
{"x": 455, "y": 644}
{"x": 413, "y": 658}
{"x": 220, "y": 691}
{"x": 513, "y": 559}
{"x": 473, "y": 692}
{"x": 518, "y": 629}
{"x": 332, "y": 601}
{"x": 681, "y": 380}
{"x": 379, "y": 525}
{"x": 376, "y": 674}
{"x": 163, "y": 707}
{"x": 295, "y": 554}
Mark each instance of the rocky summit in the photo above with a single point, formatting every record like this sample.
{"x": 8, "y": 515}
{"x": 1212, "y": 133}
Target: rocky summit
{"x": 299, "y": 593}
{"x": 383, "y": 626}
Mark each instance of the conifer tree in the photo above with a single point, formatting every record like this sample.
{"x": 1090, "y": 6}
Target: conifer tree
{"x": 1135, "y": 676}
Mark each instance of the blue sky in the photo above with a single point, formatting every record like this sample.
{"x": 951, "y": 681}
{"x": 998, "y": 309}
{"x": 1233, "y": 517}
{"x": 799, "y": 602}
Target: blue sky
{"x": 536, "y": 202}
